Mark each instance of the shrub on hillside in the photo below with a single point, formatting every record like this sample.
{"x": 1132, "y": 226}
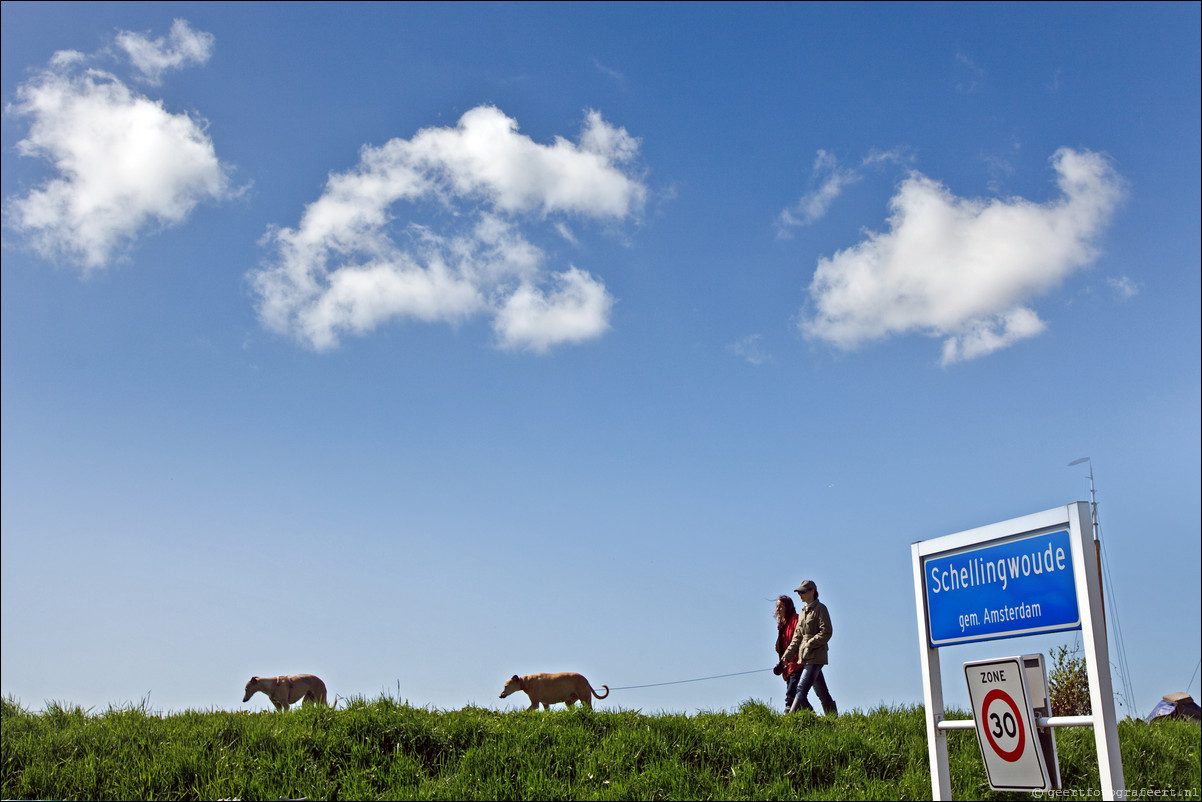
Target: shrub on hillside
{"x": 1068, "y": 683}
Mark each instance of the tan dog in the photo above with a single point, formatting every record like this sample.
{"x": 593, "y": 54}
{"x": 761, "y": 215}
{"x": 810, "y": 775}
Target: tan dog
{"x": 548, "y": 689}
{"x": 285, "y": 691}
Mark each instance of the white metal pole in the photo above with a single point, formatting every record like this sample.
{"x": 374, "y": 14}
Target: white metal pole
{"x": 1097, "y": 655}
{"x": 932, "y": 691}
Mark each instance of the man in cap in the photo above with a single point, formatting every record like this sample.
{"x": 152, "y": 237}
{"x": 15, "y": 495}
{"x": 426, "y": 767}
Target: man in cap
{"x": 809, "y": 647}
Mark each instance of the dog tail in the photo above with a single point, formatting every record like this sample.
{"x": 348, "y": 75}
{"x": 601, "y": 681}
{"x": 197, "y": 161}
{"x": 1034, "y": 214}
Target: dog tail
{"x": 600, "y": 695}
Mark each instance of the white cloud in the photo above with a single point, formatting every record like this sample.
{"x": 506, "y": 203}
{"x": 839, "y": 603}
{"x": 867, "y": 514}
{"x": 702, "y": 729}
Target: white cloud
{"x": 750, "y": 348}
{"x": 898, "y": 155}
{"x": 566, "y": 232}
{"x": 828, "y": 180}
{"x": 971, "y": 75}
{"x": 1124, "y": 288}
{"x": 576, "y": 310}
{"x": 182, "y": 47}
{"x": 1054, "y": 84}
{"x": 124, "y": 164}
{"x": 604, "y": 69}
{"x": 342, "y": 271}
{"x": 963, "y": 269}
{"x": 981, "y": 336}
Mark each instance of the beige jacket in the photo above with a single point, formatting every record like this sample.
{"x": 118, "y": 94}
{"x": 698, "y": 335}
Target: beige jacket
{"x": 813, "y": 632}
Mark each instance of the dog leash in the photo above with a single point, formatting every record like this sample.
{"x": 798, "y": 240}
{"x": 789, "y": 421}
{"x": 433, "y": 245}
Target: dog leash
{"x": 682, "y": 681}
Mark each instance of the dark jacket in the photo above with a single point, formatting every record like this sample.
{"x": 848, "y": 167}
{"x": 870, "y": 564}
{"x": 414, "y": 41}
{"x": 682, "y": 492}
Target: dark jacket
{"x": 813, "y": 633}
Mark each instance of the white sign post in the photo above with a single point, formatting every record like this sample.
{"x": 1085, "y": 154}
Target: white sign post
{"x": 1034, "y": 574}
{"x": 1001, "y": 708}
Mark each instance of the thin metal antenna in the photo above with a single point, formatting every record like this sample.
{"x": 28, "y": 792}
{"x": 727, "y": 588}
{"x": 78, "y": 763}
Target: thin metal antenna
{"x": 1093, "y": 501}
{"x": 1104, "y": 567}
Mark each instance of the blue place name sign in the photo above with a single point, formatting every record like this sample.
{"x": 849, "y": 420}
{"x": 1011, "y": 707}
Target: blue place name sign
{"x": 1018, "y": 586}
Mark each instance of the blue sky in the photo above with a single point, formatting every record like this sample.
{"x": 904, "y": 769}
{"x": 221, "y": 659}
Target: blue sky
{"x": 416, "y": 346}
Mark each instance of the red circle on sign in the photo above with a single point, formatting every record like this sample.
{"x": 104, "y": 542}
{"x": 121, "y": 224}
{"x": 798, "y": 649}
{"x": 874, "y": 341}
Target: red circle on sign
{"x": 990, "y": 698}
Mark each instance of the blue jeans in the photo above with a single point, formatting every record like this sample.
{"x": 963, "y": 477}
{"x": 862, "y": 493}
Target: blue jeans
{"x": 810, "y": 677}
{"x": 791, "y": 688}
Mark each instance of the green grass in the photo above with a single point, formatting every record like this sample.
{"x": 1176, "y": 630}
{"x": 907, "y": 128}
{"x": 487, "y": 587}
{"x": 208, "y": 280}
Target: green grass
{"x": 384, "y": 749}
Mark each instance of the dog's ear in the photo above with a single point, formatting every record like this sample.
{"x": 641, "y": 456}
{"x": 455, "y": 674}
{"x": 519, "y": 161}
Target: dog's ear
{"x": 254, "y": 679}
{"x": 515, "y": 676}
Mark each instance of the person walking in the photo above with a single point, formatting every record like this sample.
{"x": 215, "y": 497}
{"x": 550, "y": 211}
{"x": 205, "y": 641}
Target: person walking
{"x": 786, "y": 625}
{"x": 808, "y": 646}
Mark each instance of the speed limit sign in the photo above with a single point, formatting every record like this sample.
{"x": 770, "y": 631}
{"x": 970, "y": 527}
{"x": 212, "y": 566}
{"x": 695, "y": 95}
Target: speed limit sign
{"x": 1005, "y": 725}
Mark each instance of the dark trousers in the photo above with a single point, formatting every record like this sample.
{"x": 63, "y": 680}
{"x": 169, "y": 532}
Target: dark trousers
{"x": 791, "y": 688}
{"x": 811, "y": 677}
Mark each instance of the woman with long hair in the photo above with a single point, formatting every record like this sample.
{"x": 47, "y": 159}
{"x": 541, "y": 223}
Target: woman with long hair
{"x": 786, "y": 625}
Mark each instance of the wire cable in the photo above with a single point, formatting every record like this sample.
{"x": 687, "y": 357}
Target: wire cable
{"x": 1120, "y": 644}
{"x": 682, "y": 681}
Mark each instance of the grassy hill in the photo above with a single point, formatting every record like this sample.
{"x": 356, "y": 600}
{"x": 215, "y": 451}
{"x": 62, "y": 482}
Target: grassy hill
{"x": 384, "y": 749}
